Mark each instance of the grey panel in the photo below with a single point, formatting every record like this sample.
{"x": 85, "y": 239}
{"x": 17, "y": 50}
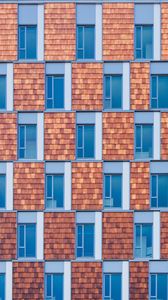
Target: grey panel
{"x": 27, "y": 217}
{"x": 144, "y": 14}
{"x": 143, "y": 217}
{"x": 113, "y": 167}
{"x": 159, "y": 167}
{"x": 3, "y": 69}
{"x": 2, "y": 168}
{"x": 27, "y": 118}
{"x": 55, "y": 68}
{"x": 2, "y": 267}
{"x": 159, "y": 68}
{"x": 28, "y": 15}
{"x": 112, "y": 267}
{"x": 144, "y": 118}
{"x": 158, "y": 266}
{"x": 54, "y": 267}
{"x": 55, "y": 167}
{"x": 85, "y": 217}
{"x": 86, "y": 14}
{"x": 85, "y": 118}
{"x": 113, "y": 68}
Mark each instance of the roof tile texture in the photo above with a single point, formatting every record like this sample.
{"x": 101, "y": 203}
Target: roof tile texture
{"x": 164, "y": 135}
{"x": 8, "y": 136}
{"x": 164, "y": 235}
{"x": 164, "y": 31}
{"x": 7, "y": 235}
{"x": 139, "y": 275}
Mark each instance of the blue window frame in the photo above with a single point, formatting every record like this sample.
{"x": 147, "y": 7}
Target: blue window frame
{"x": 144, "y": 41}
{"x": 159, "y": 190}
{"x": 159, "y": 91}
{"x": 85, "y": 240}
{"x": 27, "y": 240}
{"x": 2, "y": 191}
{"x": 112, "y": 190}
{"x": 158, "y": 286}
{"x": 27, "y": 42}
{"x": 85, "y": 42}
{"x": 85, "y": 141}
{"x": 113, "y": 91}
{"x": 54, "y": 286}
{"x": 2, "y": 92}
{"x": 143, "y": 241}
{"x": 2, "y": 286}
{"x": 112, "y": 286}
{"x": 55, "y": 91}
{"x": 27, "y": 141}
{"x": 55, "y": 191}
{"x": 144, "y": 141}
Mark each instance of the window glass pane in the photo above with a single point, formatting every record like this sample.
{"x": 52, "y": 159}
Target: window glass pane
{"x": 138, "y": 54}
{"x": 89, "y": 41}
{"x": 58, "y": 286}
{"x": 80, "y": 37}
{"x": 163, "y": 91}
{"x": 107, "y": 99}
{"x": 2, "y": 286}
{"x": 107, "y": 285}
{"x": 153, "y": 285}
{"x": 59, "y": 190}
{"x": 21, "y": 141}
{"x": 79, "y": 241}
{"x": 49, "y": 186}
{"x": 116, "y": 286}
{"x": 2, "y": 191}
{"x": 21, "y": 240}
{"x": 154, "y": 92}
{"x": 30, "y": 240}
{"x": 89, "y": 141}
{"x": 2, "y": 92}
{"x": 163, "y": 190}
{"x": 88, "y": 240}
{"x": 138, "y": 231}
{"x": 107, "y": 186}
{"x": 48, "y": 288}
{"x": 59, "y": 92}
{"x": 116, "y": 91}
{"x": 162, "y": 286}
{"x": 138, "y": 137}
{"x": 116, "y": 187}
{"x": 31, "y": 141}
{"x": 147, "y": 42}
{"x": 147, "y": 140}
{"x": 49, "y": 87}
{"x": 147, "y": 240}
{"x": 154, "y": 191}
{"x": 22, "y": 42}
{"x": 31, "y": 42}
{"x": 138, "y": 37}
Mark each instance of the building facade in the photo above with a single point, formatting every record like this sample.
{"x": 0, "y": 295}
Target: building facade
{"x": 83, "y": 150}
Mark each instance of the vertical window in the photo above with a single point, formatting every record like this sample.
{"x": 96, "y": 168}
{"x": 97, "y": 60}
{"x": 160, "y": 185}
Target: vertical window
{"x": 2, "y": 191}
{"x": 159, "y": 91}
{"x": 27, "y": 141}
{"x": 144, "y": 141}
{"x": 159, "y": 190}
{"x": 113, "y": 91}
{"x": 143, "y": 240}
{"x": 27, "y": 42}
{"x": 158, "y": 287}
{"x": 85, "y": 141}
{"x": 85, "y": 42}
{"x": 85, "y": 240}
{"x": 55, "y": 91}
{"x": 2, "y": 286}
{"x": 144, "y": 41}
{"x": 26, "y": 240}
{"x": 54, "y": 287}
{"x": 112, "y": 286}
{"x": 55, "y": 191}
{"x": 112, "y": 190}
{"x": 2, "y": 91}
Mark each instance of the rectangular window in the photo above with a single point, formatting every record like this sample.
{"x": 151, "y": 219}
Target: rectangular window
{"x": 85, "y": 240}
{"x": 27, "y": 42}
{"x": 144, "y": 42}
{"x": 158, "y": 286}
{"x": 54, "y": 287}
{"x": 159, "y": 190}
{"x": 26, "y": 240}
{"x": 112, "y": 190}
{"x": 85, "y": 141}
{"x": 2, "y": 191}
{"x": 144, "y": 141}
{"x": 2, "y": 91}
{"x": 27, "y": 141}
{"x": 2, "y": 286}
{"x": 54, "y": 191}
{"x": 85, "y": 42}
{"x": 113, "y": 91}
{"x": 112, "y": 286}
{"x": 55, "y": 91}
{"x": 159, "y": 91}
{"x": 143, "y": 240}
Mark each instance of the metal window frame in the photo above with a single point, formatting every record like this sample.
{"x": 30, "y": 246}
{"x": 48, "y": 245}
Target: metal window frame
{"x": 52, "y": 192}
{"x": 4, "y": 108}
{"x": 4, "y": 175}
{"x": 141, "y": 225}
{"x": 142, "y": 126}
{"x": 83, "y": 141}
{"x": 157, "y": 189}
{"x": 141, "y": 26}
{"x": 110, "y": 290}
{"x": 111, "y": 76}
{"x": 53, "y": 77}
{"x": 83, "y": 40}
{"x": 25, "y": 141}
{"x": 82, "y": 247}
{"x": 25, "y": 48}
{"x": 25, "y": 246}
{"x": 52, "y": 275}
{"x": 157, "y": 95}
{"x": 111, "y": 179}
{"x": 156, "y": 285}
{"x": 4, "y": 275}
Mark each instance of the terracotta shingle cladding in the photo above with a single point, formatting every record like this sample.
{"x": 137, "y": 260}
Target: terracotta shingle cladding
{"x": 7, "y": 235}
{"x": 8, "y": 136}
{"x": 139, "y": 273}
{"x": 164, "y": 136}
{"x": 164, "y": 31}
{"x": 164, "y": 235}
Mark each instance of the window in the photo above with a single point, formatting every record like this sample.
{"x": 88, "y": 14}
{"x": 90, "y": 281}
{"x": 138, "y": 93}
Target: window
{"x": 2, "y": 191}
{"x": 144, "y": 141}
{"x": 159, "y": 190}
{"x": 54, "y": 287}
{"x": 144, "y": 41}
{"x": 112, "y": 190}
{"x": 159, "y": 91}
{"x": 2, "y": 91}
{"x": 27, "y": 42}
{"x": 55, "y": 191}
{"x": 112, "y": 286}
{"x": 85, "y": 240}
{"x": 85, "y": 42}
{"x": 27, "y": 141}
{"x": 2, "y": 286}
{"x": 158, "y": 286}
{"x": 143, "y": 240}
{"x": 113, "y": 91}
{"x": 55, "y": 91}
{"x": 85, "y": 141}
{"x": 26, "y": 240}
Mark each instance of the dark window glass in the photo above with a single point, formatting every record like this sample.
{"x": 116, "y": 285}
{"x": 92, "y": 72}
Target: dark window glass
{"x": 27, "y": 240}
{"x": 158, "y": 286}
{"x": 112, "y": 283}
{"x": 2, "y": 92}
{"x": 143, "y": 240}
{"x": 55, "y": 92}
{"x": 54, "y": 288}
{"x": 113, "y": 190}
{"x": 2, "y": 191}
{"x": 2, "y": 286}
{"x": 27, "y": 42}
{"x": 144, "y": 141}
{"x": 113, "y": 92}
{"x": 85, "y": 42}
{"x": 144, "y": 41}
{"x": 55, "y": 191}
{"x": 27, "y": 141}
{"x": 159, "y": 91}
{"x": 85, "y": 141}
{"x": 85, "y": 240}
{"x": 159, "y": 192}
